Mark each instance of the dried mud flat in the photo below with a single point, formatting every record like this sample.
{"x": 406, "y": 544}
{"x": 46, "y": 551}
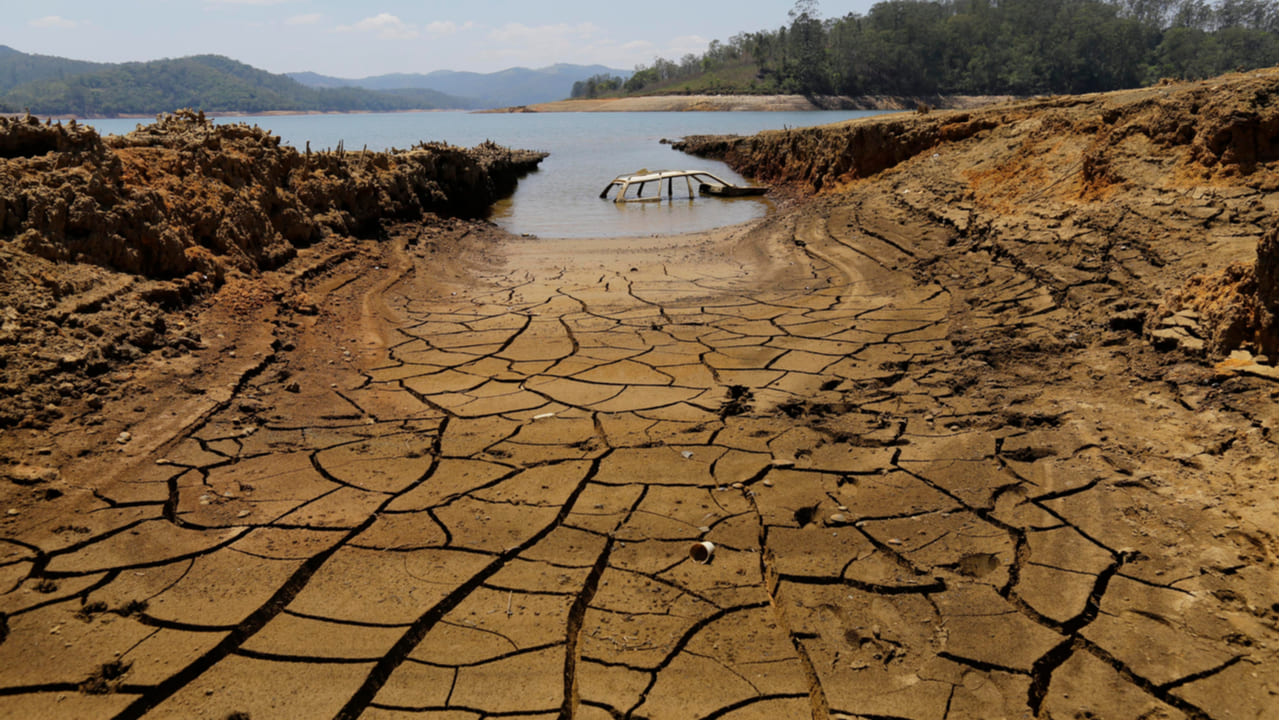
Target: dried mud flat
{"x": 949, "y": 465}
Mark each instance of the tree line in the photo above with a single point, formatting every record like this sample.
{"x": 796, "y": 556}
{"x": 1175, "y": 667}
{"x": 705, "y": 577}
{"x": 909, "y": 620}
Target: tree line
{"x": 973, "y": 47}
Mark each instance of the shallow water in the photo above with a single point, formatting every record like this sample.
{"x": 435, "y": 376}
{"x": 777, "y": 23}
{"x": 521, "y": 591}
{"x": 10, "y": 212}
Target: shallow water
{"x": 587, "y": 151}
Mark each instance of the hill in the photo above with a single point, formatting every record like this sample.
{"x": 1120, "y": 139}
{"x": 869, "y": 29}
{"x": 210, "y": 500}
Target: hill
{"x": 976, "y": 47}
{"x": 213, "y": 83}
{"x": 18, "y": 67}
{"x": 513, "y": 86}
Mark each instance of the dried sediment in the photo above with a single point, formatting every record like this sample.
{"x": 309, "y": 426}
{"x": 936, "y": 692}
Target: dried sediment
{"x": 184, "y": 195}
{"x": 1233, "y": 308}
{"x": 1235, "y": 132}
{"x": 1162, "y": 184}
{"x": 103, "y": 240}
{"x": 945, "y": 475}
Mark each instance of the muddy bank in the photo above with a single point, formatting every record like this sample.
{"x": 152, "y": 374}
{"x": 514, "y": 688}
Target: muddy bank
{"x": 184, "y": 195}
{"x": 756, "y": 103}
{"x": 101, "y": 239}
{"x": 1101, "y": 176}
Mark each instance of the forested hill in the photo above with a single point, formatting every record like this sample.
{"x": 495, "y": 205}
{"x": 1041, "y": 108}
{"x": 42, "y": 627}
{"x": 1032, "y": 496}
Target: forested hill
{"x": 972, "y": 47}
{"x": 17, "y": 68}
{"x": 56, "y": 86}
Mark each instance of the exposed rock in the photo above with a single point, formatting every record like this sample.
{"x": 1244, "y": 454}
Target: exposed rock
{"x": 28, "y": 137}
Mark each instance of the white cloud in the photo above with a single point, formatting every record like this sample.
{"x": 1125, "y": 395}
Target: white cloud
{"x": 538, "y": 46}
{"x": 554, "y": 34}
{"x": 385, "y": 25}
{"x": 447, "y": 27}
{"x": 52, "y": 21}
{"x": 308, "y": 19}
{"x": 584, "y": 43}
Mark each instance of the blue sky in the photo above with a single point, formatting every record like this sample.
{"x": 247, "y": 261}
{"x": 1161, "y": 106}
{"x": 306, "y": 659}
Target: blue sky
{"x": 356, "y": 39}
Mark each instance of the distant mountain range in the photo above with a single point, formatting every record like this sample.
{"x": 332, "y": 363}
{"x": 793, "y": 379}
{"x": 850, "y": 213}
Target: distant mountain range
{"x": 514, "y": 86}
{"x": 48, "y": 85}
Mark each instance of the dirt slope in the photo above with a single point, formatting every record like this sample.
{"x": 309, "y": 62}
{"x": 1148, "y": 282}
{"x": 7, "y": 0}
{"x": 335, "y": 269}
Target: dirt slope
{"x": 1137, "y": 190}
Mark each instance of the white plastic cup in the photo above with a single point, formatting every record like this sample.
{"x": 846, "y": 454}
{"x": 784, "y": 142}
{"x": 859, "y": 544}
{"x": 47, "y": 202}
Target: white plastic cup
{"x": 700, "y": 552}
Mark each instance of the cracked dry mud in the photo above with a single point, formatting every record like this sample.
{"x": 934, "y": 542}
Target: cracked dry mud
{"x": 464, "y": 481}
{"x": 479, "y": 501}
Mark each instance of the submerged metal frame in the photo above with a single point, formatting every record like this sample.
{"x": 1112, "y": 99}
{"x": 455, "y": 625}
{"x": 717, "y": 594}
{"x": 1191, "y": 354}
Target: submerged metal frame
{"x": 643, "y": 178}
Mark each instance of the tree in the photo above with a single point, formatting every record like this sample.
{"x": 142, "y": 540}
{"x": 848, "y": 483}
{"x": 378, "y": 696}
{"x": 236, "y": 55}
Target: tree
{"x": 805, "y": 68}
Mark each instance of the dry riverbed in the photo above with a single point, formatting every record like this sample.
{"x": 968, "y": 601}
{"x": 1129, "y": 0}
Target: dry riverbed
{"x": 948, "y": 461}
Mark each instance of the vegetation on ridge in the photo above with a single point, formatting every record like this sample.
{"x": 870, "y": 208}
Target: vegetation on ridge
{"x": 972, "y": 47}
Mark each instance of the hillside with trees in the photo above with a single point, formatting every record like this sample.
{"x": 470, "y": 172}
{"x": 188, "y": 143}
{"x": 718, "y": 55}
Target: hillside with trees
{"x": 18, "y": 68}
{"x": 213, "y": 83}
{"x": 972, "y": 47}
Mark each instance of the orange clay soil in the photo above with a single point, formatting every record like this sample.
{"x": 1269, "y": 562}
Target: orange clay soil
{"x": 962, "y": 446}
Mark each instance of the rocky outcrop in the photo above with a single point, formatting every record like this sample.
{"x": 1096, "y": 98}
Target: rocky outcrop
{"x": 27, "y": 137}
{"x": 184, "y": 197}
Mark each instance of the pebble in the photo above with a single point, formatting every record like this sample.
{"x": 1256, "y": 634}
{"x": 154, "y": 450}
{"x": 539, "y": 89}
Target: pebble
{"x": 124, "y": 437}
{"x": 837, "y": 519}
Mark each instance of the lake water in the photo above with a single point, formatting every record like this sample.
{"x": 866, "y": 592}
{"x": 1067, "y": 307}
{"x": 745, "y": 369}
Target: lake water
{"x": 587, "y": 150}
